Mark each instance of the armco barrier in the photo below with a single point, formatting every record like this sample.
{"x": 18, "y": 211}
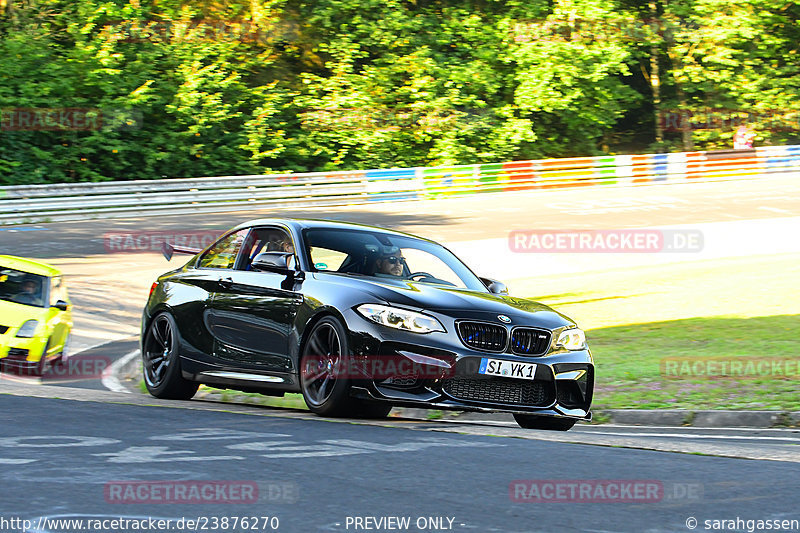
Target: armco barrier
{"x": 76, "y": 201}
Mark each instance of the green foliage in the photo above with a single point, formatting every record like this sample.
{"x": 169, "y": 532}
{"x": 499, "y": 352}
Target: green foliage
{"x": 743, "y": 56}
{"x": 184, "y": 89}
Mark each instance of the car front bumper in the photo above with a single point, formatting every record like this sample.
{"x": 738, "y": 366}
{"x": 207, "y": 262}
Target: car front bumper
{"x": 435, "y": 372}
{"x": 21, "y": 353}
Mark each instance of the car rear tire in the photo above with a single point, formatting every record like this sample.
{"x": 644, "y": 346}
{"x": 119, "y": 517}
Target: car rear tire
{"x": 161, "y": 364}
{"x": 550, "y": 423}
{"x": 324, "y": 357}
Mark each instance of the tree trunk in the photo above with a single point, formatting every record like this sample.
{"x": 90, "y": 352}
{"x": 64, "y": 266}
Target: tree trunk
{"x": 655, "y": 79}
{"x": 677, "y": 65}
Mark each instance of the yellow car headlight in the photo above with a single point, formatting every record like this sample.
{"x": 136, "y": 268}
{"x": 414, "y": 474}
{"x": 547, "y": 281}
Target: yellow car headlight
{"x": 28, "y": 329}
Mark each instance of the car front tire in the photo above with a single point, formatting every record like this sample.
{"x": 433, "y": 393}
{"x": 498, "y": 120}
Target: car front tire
{"x": 325, "y": 390}
{"x": 161, "y": 364}
{"x": 544, "y": 422}
{"x": 65, "y": 354}
{"x": 41, "y": 367}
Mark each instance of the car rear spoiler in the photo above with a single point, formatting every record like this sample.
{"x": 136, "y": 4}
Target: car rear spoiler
{"x": 168, "y": 250}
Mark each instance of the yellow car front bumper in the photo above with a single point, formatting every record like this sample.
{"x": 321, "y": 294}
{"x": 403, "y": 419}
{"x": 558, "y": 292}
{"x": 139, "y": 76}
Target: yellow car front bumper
{"x": 21, "y": 353}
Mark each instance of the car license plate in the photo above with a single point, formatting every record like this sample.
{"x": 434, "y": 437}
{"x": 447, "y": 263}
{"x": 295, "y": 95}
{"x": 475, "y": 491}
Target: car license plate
{"x": 507, "y": 369}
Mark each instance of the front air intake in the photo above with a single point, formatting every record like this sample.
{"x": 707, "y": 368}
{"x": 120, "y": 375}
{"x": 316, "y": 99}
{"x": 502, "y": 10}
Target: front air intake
{"x": 529, "y": 341}
{"x": 483, "y": 336}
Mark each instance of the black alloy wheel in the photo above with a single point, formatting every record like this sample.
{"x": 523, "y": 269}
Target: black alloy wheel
{"x": 161, "y": 361}
{"x": 323, "y": 375}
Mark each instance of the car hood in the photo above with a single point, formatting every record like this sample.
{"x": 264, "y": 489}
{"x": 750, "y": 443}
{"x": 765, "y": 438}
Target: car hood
{"x": 14, "y": 315}
{"x": 457, "y": 303}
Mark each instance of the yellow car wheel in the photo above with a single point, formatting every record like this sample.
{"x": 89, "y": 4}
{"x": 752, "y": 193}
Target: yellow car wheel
{"x": 41, "y": 366}
{"x": 64, "y": 355}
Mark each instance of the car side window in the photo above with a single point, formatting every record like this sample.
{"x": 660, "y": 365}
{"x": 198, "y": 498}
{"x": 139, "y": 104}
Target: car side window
{"x": 265, "y": 240}
{"x": 223, "y": 253}
{"x": 325, "y": 259}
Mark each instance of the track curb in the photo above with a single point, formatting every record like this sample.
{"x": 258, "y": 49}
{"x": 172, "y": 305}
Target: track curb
{"x": 641, "y": 417}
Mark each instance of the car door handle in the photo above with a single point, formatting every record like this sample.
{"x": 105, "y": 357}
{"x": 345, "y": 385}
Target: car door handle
{"x": 225, "y": 283}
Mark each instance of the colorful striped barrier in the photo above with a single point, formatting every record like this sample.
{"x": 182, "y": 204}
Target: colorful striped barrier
{"x": 386, "y": 185}
{"x": 78, "y": 201}
{"x": 606, "y": 170}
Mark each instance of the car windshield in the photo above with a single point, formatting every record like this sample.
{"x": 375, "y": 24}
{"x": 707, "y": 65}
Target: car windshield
{"x": 22, "y": 287}
{"x": 390, "y": 257}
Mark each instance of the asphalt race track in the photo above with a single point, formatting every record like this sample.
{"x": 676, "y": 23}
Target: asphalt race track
{"x": 314, "y": 474}
{"x": 69, "y": 448}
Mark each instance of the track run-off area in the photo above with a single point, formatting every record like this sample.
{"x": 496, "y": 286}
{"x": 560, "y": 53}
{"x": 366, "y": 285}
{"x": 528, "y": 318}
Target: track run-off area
{"x": 67, "y": 448}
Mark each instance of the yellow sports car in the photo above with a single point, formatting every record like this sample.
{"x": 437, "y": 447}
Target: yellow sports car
{"x": 35, "y": 317}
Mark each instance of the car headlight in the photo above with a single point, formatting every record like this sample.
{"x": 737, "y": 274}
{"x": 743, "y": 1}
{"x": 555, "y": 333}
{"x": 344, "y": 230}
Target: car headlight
{"x": 28, "y": 329}
{"x": 400, "y": 318}
{"x": 572, "y": 339}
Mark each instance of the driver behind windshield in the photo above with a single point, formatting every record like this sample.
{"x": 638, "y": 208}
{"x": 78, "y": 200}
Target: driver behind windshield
{"x": 30, "y": 294}
{"x": 390, "y": 264}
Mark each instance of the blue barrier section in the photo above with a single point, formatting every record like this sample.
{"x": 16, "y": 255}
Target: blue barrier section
{"x": 392, "y": 184}
{"x": 660, "y": 167}
{"x": 660, "y": 172}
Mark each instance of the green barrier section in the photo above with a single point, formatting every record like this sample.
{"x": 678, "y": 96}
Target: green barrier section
{"x": 605, "y": 169}
{"x": 492, "y": 178}
{"x": 442, "y": 182}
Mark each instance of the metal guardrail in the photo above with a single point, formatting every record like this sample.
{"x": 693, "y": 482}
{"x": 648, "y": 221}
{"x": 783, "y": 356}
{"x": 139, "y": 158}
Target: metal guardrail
{"x": 80, "y": 201}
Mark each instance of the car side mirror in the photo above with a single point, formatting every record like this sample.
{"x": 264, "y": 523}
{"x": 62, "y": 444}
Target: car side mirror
{"x": 278, "y": 262}
{"x": 494, "y": 286}
{"x": 61, "y": 305}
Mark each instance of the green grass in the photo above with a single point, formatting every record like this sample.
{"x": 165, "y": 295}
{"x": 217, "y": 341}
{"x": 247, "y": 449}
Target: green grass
{"x": 729, "y": 309}
{"x": 629, "y": 363}
{"x": 289, "y": 400}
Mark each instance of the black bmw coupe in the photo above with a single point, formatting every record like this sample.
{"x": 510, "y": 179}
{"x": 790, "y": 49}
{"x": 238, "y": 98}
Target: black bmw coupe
{"x": 359, "y": 319}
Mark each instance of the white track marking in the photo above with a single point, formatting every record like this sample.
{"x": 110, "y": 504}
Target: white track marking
{"x": 110, "y": 380}
{"x": 696, "y": 436}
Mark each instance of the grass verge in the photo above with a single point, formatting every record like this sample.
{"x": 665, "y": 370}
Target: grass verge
{"x": 724, "y": 310}
{"x": 668, "y": 364}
